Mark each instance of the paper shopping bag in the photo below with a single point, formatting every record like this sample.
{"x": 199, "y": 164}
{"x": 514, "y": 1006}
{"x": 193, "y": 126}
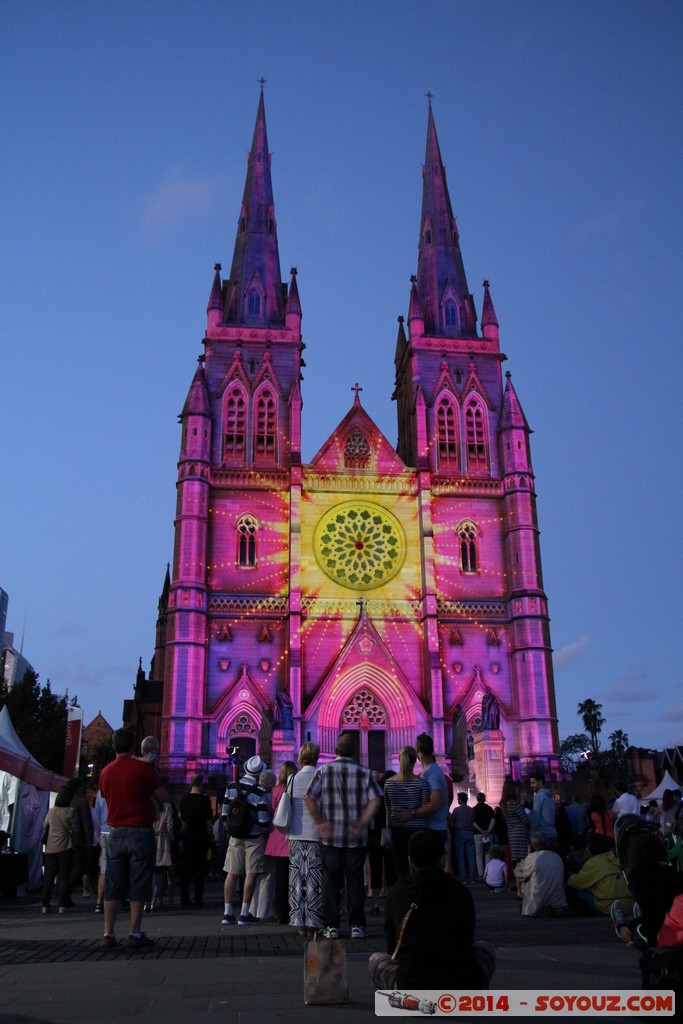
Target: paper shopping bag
{"x": 325, "y": 978}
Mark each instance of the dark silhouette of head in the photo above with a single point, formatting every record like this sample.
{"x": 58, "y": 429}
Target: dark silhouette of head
{"x": 426, "y": 848}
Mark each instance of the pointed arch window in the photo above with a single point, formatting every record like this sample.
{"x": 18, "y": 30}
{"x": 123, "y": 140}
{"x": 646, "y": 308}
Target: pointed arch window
{"x": 467, "y": 541}
{"x": 247, "y": 538}
{"x": 450, "y": 313}
{"x": 475, "y": 428}
{"x": 254, "y": 302}
{"x": 235, "y": 424}
{"x": 447, "y": 433}
{"x": 265, "y": 425}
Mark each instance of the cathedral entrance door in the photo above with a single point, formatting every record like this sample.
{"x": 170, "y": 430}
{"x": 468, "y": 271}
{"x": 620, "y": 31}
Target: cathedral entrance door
{"x": 377, "y": 750}
{"x": 370, "y": 747}
{"x": 246, "y": 747}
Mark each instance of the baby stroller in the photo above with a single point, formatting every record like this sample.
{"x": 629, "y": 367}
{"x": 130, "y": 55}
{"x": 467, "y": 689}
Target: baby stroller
{"x": 628, "y": 828}
{"x": 660, "y": 967}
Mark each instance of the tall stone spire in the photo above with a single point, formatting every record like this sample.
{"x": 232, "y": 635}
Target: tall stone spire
{"x": 255, "y": 293}
{"x": 489, "y": 320}
{"x": 445, "y": 299}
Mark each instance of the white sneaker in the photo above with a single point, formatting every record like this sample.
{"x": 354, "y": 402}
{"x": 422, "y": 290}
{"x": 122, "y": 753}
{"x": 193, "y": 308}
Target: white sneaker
{"x": 331, "y": 933}
{"x": 357, "y": 932}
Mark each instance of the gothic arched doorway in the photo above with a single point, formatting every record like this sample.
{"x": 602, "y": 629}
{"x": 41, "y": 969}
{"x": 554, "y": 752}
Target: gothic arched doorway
{"x": 365, "y": 720}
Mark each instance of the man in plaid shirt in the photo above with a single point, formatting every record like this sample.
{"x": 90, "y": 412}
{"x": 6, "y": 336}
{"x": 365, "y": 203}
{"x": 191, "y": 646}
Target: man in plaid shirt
{"x": 343, "y": 799}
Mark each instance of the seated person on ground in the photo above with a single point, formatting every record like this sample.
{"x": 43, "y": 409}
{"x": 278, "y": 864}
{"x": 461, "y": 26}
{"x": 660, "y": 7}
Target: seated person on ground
{"x": 654, "y": 885}
{"x": 540, "y": 879}
{"x": 431, "y": 918}
{"x": 593, "y": 889}
{"x": 496, "y": 870}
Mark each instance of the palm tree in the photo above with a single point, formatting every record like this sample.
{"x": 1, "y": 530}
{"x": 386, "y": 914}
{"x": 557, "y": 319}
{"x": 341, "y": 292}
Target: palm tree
{"x": 593, "y": 721}
{"x": 620, "y": 744}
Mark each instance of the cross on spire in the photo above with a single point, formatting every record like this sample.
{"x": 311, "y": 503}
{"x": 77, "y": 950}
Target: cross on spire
{"x": 430, "y": 97}
{"x": 261, "y": 81}
{"x": 356, "y": 387}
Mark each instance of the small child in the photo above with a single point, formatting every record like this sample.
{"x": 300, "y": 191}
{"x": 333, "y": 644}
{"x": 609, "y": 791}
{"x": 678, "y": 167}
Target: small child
{"x": 496, "y": 871}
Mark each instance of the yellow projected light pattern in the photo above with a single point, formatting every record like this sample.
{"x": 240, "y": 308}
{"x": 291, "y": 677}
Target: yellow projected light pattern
{"x": 359, "y": 545}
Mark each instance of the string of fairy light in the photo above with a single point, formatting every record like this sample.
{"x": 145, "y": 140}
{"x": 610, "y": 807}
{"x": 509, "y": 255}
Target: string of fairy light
{"x": 275, "y": 581}
{"x": 271, "y": 573}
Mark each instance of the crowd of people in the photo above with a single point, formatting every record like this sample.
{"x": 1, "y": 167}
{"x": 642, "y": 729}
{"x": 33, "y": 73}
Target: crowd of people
{"x": 291, "y": 845}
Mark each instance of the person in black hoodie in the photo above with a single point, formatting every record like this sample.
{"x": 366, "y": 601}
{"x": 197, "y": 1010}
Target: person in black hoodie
{"x": 429, "y": 922}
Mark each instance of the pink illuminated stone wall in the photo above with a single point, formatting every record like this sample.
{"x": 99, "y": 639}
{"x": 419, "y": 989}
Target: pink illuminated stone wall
{"x": 376, "y": 590}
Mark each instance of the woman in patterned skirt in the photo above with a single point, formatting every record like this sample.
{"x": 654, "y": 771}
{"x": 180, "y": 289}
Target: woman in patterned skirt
{"x": 305, "y": 862}
{"x": 516, "y": 821}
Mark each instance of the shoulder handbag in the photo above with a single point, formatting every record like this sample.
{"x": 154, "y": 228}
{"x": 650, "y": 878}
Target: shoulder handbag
{"x": 402, "y": 928}
{"x": 283, "y": 812}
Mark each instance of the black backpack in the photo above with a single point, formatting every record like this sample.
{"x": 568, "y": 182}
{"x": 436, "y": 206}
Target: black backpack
{"x": 240, "y": 817}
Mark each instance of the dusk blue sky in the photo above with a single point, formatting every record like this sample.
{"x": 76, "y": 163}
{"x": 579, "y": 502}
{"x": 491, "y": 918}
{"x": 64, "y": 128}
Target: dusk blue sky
{"x": 124, "y": 129}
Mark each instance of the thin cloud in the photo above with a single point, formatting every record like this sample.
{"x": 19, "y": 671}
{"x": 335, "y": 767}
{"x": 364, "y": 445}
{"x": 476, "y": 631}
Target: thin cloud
{"x": 567, "y": 655}
{"x": 81, "y": 674}
{"x": 671, "y": 714}
{"x": 609, "y": 221}
{"x": 633, "y": 687}
{"x": 178, "y": 199}
{"x": 70, "y": 630}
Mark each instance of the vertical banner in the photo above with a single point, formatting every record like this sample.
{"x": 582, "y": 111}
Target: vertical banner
{"x": 72, "y": 747}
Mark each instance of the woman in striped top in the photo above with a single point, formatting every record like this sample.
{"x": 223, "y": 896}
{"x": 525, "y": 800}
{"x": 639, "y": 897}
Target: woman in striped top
{"x": 405, "y": 792}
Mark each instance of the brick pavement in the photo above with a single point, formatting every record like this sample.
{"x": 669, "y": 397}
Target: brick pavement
{"x": 52, "y": 969}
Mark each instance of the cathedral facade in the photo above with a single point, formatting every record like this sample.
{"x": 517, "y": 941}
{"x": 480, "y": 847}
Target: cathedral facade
{"x": 376, "y": 590}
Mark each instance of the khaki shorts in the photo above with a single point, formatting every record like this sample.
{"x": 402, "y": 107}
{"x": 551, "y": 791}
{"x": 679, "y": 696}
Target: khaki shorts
{"x": 245, "y": 856}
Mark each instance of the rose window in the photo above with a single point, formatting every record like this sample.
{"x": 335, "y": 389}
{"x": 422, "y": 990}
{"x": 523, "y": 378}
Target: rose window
{"x": 359, "y": 545}
{"x": 364, "y": 711}
{"x": 356, "y": 451}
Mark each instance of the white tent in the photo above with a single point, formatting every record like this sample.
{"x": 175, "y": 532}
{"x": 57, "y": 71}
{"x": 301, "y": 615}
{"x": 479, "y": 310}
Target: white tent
{"x": 668, "y": 782}
{"x": 25, "y": 787}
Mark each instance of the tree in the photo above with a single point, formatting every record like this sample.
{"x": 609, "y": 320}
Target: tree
{"x": 39, "y": 718}
{"x": 593, "y": 722}
{"x": 620, "y": 744}
{"x": 571, "y": 750}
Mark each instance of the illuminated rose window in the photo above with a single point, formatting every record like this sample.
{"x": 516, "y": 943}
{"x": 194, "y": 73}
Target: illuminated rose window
{"x": 359, "y": 545}
{"x": 364, "y": 711}
{"x": 356, "y": 451}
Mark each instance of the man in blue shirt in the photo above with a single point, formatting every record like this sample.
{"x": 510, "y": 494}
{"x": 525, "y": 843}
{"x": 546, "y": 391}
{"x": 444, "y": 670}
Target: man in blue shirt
{"x": 543, "y": 810}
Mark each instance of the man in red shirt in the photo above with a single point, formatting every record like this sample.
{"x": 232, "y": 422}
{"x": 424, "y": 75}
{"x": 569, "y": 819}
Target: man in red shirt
{"x": 130, "y": 786}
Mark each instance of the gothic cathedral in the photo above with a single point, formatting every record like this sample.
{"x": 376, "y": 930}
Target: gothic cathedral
{"x": 376, "y": 590}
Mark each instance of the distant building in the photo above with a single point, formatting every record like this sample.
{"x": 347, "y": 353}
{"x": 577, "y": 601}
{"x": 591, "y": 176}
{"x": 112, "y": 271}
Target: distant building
{"x": 143, "y": 712}
{"x": 4, "y": 603}
{"x": 95, "y": 734}
{"x": 673, "y": 762}
{"x": 14, "y": 664}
